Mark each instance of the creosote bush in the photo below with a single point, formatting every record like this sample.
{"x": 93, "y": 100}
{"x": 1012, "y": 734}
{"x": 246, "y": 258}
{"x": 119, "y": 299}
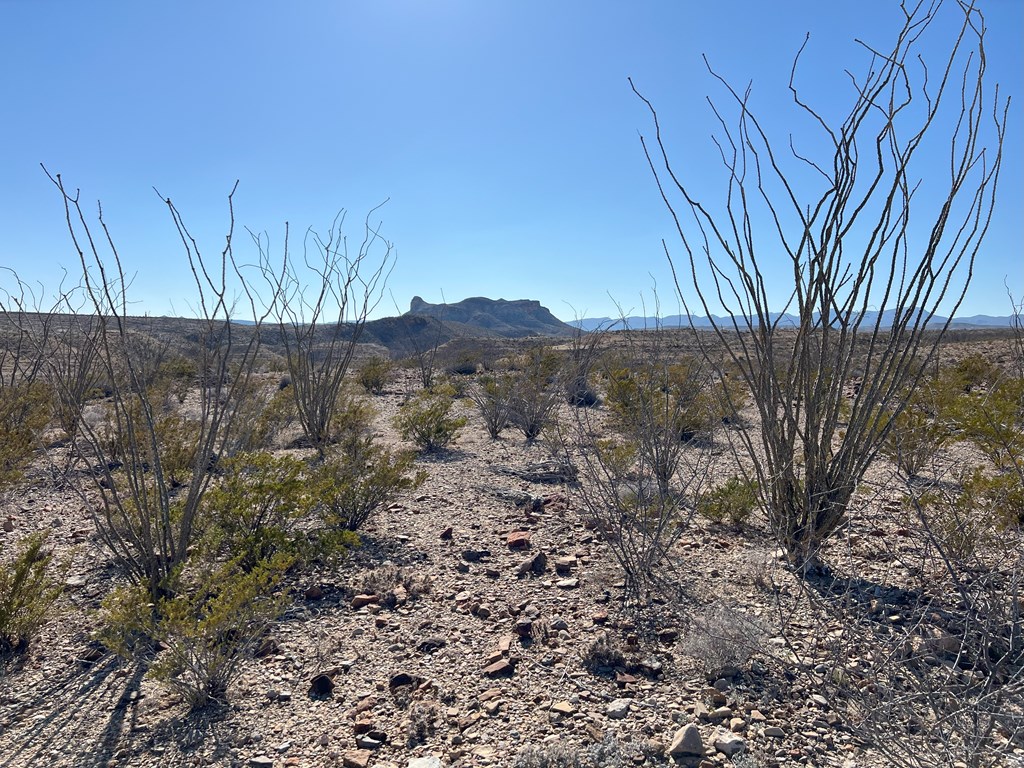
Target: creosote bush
{"x": 24, "y": 412}
{"x": 921, "y": 428}
{"x": 374, "y": 374}
{"x": 206, "y": 630}
{"x": 535, "y": 391}
{"x": 357, "y": 477}
{"x": 665, "y": 396}
{"x": 734, "y": 500}
{"x": 256, "y": 507}
{"x": 30, "y": 582}
{"x": 426, "y": 420}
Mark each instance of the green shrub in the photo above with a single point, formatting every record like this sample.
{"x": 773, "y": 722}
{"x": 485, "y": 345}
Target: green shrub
{"x": 994, "y": 421}
{"x": 374, "y": 374}
{"x": 734, "y": 501}
{"x": 921, "y": 428}
{"x": 973, "y": 372}
{"x": 260, "y": 425}
{"x": 426, "y": 421}
{"x": 360, "y": 476}
{"x": 967, "y": 520}
{"x": 653, "y": 397}
{"x": 532, "y": 406}
{"x": 24, "y": 412}
{"x": 535, "y": 392}
{"x": 205, "y": 631}
{"x": 29, "y": 585}
{"x": 353, "y": 416}
{"x": 255, "y": 508}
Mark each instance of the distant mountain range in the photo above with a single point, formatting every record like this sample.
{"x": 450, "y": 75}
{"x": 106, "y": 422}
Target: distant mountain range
{"x": 697, "y": 321}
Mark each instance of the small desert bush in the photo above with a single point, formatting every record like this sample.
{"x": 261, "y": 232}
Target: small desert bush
{"x": 255, "y": 509}
{"x": 655, "y": 396}
{"x": 994, "y": 421}
{"x": 535, "y": 392}
{"x": 385, "y": 580}
{"x": 735, "y": 501}
{"x": 29, "y": 584}
{"x": 492, "y": 396}
{"x": 205, "y": 631}
{"x": 554, "y": 755}
{"x": 374, "y": 374}
{"x": 24, "y": 412}
{"x": 921, "y": 428}
{"x": 359, "y": 476}
{"x": 421, "y": 722}
{"x": 722, "y": 639}
{"x": 259, "y": 426}
{"x": 972, "y": 373}
{"x": 966, "y": 519}
{"x": 426, "y": 420}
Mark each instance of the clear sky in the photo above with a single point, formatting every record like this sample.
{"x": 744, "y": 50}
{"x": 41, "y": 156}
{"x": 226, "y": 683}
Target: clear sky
{"x": 504, "y": 132}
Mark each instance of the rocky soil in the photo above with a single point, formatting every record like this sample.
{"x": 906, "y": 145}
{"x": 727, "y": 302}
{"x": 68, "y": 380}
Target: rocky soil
{"x": 466, "y": 629}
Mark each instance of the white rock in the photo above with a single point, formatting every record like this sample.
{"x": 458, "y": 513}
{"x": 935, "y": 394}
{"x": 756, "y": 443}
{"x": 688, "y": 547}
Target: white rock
{"x": 728, "y": 743}
{"x": 618, "y": 709}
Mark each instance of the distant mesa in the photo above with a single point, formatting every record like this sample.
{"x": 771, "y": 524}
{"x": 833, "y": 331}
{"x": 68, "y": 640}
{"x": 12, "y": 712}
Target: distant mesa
{"x": 495, "y": 317}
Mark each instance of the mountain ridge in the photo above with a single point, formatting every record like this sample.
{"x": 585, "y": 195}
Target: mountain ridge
{"x": 637, "y": 322}
{"x": 500, "y": 317}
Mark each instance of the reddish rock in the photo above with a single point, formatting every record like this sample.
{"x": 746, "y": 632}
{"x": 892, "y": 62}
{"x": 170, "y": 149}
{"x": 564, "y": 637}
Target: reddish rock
{"x": 518, "y": 540}
{"x": 500, "y": 668}
{"x": 359, "y": 601}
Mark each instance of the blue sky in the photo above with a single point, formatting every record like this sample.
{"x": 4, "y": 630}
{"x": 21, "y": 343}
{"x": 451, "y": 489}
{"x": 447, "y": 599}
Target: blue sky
{"x": 505, "y": 134}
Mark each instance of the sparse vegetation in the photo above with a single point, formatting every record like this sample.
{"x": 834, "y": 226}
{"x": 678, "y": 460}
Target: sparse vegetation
{"x": 30, "y": 582}
{"x": 492, "y": 396}
{"x": 722, "y": 640}
{"x": 357, "y": 477}
{"x": 551, "y": 603}
{"x": 426, "y": 420}
{"x": 734, "y": 500}
{"x": 374, "y": 374}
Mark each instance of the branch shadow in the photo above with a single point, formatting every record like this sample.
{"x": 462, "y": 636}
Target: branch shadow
{"x": 106, "y": 691}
